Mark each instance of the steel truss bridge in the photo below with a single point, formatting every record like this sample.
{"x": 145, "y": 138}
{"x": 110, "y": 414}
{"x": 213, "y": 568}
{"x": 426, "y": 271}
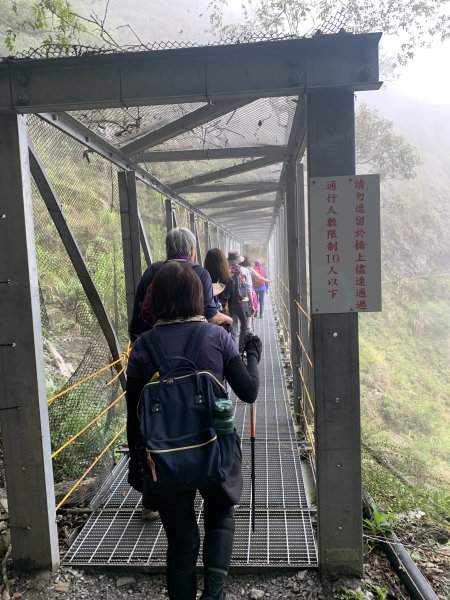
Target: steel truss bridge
{"x": 238, "y": 119}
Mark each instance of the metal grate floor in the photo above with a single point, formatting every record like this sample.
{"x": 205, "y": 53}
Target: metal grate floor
{"x": 116, "y": 536}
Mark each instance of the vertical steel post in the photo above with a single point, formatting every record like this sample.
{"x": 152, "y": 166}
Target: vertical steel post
{"x": 129, "y": 218}
{"x": 170, "y": 221}
{"x": 207, "y": 236}
{"x": 23, "y": 400}
{"x": 193, "y": 228}
{"x": 331, "y": 152}
{"x": 144, "y": 242}
{"x": 303, "y": 296}
{"x": 293, "y": 276}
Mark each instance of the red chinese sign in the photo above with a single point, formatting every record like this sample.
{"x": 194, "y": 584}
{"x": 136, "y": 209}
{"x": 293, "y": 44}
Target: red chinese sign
{"x": 344, "y": 215}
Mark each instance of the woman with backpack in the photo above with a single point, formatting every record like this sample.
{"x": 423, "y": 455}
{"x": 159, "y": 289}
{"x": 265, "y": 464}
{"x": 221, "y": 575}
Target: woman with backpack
{"x": 181, "y": 334}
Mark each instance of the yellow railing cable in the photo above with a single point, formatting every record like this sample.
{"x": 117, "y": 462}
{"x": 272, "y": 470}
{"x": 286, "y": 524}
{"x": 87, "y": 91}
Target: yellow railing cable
{"x": 306, "y": 389}
{"x": 310, "y": 434}
{"x": 124, "y": 357}
{"x": 304, "y": 349}
{"x": 302, "y": 310}
{"x": 283, "y": 284}
{"x": 89, "y": 469}
{"x": 77, "y": 435}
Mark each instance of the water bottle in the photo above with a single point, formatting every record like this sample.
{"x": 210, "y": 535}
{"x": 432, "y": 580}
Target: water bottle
{"x": 223, "y": 416}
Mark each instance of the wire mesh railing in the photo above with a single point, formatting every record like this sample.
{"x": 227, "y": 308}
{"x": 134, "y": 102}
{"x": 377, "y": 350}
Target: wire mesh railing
{"x": 294, "y": 330}
{"x": 86, "y": 406}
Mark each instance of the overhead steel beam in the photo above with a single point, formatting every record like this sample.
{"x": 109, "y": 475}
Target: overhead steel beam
{"x": 79, "y": 132}
{"x": 255, "y": 218}
{"x": 212, "y": 154}
{"x": 241, "y": 207}
{"x": 232, "y": 187}
{"x": 229, "y": 198}
{"x": 245, "y": 167}
{"x": 205, "y": 74}
{"x": 185, "y": 123}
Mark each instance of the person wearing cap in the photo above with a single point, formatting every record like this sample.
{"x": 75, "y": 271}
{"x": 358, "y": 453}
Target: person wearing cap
{"x": 243, "y": 294}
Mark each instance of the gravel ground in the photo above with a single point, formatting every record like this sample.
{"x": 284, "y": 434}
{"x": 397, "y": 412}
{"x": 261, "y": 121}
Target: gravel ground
{"x": 71, "y": 584}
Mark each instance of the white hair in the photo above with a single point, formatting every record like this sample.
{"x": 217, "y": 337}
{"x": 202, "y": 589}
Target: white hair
{"x": 180, "y": 242}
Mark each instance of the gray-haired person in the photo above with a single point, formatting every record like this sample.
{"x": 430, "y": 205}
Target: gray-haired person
{"x": 180, "y": 245}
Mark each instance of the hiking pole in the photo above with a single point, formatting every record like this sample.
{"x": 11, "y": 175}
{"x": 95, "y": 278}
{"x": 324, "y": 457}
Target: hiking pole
{"x": 252, "y": 441}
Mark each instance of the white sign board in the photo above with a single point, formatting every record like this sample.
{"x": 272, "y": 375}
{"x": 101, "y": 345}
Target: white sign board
{"x": 345, "y": 255}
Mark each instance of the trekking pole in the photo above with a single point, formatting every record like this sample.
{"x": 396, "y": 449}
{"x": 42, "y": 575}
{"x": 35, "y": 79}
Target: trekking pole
{"x": 252, "y": 441}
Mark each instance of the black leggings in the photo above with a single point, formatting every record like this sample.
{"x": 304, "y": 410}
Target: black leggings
{"x": 183, "y": 539}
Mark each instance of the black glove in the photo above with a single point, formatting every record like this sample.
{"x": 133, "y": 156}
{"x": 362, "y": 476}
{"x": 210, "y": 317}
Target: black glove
{"x": 253, "y": 346}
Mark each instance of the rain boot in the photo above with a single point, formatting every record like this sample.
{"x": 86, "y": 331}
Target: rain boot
{"x": 214, "y": 586}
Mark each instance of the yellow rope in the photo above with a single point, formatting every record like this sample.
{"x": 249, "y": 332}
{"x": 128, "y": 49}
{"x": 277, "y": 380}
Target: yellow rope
{"x": 310, "y": 434}
{"x": 283, "y": 284}
{"x": 117, "y": 375}
{"x": 124, "y": 358}
{"x": 306, "y": 389}
{"x": 304, "y": 350}
{"x": 284, "y": 328}
{"x": 77, "y": 435}
{"x": 99, "y": 457}
{"x": 302, "y": 310}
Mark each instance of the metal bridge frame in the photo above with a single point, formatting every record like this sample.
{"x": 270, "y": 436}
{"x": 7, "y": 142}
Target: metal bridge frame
{"x": 323, "y": 72}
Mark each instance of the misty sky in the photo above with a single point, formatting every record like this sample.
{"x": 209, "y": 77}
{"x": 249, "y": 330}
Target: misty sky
{"x": 427, "y": 77}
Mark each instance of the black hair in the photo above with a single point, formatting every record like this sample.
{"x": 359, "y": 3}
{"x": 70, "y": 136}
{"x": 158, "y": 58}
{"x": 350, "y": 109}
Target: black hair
{"x": 176, "y": 292}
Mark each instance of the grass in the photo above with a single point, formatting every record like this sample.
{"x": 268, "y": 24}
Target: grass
{"x": 405, "y": 394}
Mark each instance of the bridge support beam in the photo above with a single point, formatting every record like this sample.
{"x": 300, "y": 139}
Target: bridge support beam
{"x": 129, "y": 218}
{"x": 193, "y": 228}
{"x": 331, "y": 152}
{"x": 23, "y": 398}
{"x": 293, "y": 190}
{"x": 207, "y": 236}
{"x": 171, "y": 219}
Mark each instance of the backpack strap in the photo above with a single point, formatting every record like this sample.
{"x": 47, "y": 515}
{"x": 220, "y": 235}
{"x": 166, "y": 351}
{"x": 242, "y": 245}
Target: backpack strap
{"x": 155, "y": 350}
{"x": 194, "y": 344}
{"x": 160, "y": 358}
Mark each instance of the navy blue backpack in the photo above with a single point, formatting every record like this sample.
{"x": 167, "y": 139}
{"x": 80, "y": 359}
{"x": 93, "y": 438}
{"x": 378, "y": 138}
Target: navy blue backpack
{"x": 180, "y": 447}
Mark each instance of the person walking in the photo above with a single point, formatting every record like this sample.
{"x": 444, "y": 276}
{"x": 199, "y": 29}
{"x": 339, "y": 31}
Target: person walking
{"x": 177, "y": 302}
{"x": 242, "y": 308}
{"x": 180, "y": 246}
{"x": 261, "y": 290}
{"x": 217, "y": 266}
{"x": 260, "y": 282}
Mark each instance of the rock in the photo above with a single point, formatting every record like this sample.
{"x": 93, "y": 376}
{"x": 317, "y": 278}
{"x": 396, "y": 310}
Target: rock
{"x": 125, "y": 581}
{"x": 256, "y": 594}
{"x": 62, "y": 586}
{"x": 301, "y": 575}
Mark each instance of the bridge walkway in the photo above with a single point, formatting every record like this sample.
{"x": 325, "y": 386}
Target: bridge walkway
{"x": 116, "y": 536}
